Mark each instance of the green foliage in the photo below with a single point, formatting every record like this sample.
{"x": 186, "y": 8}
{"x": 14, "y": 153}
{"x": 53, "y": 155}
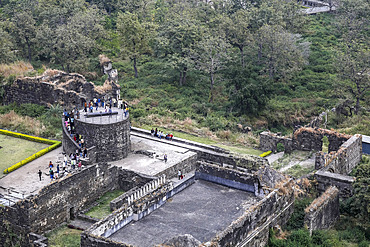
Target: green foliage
{"x": 64, "y": 236}
{"x": 31, "y": 110}
{"x": 358, "y": 205}
{"x": 280, "y": 147}
{"x": 296, "y": 221}
{"x": 103, "y": 208}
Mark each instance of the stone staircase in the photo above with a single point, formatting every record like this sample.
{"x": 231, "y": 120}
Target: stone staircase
{"x": 8, "y": 197}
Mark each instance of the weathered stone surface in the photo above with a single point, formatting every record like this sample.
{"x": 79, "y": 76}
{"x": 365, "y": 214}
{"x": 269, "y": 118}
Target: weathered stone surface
{"x": 112, "y": 141}
{"x": 57, "y": 87}
{"x": 344, "y": 160}
{"x": 186, "y": 240}
{"x": 269, "y": 142}
{"x": 308, "y": 139}
{"x": 323, "y": 212}
{"x": 342, "y": 182}
{"x": 269, "y": 177}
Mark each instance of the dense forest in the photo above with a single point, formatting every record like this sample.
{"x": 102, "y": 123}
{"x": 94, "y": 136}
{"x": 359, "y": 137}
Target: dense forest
{"x": 212, "y": 69}
{"x": 219, "y": 65}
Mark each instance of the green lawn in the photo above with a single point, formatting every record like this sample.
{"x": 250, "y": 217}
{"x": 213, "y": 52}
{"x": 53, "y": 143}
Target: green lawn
{"x": 103, "y": 208}
{"x": 64, "y": 237}
{"x": 14, "y": 150}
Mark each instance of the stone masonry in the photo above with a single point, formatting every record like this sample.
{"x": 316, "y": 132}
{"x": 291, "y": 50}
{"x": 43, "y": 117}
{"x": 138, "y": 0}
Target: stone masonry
{"x": 57, "y": 87}
{"x": 323, "y": 212}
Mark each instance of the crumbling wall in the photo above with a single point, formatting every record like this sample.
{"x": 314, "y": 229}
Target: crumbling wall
{"x": 57, "y": 87}
{"x": 251, "y": 229}
{"x": 269, "y": 142}
{"x": 308, "y": 139}
{"x": 112, "y": 141}
{"x": 323, "y": 212}
{"x": 344, "y": 160}
{"x": 342, "y": 182}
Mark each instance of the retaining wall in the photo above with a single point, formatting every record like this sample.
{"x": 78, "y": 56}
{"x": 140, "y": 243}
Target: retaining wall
{"x": 323, "y": 212}
{"x": 227, "y": 177}
{"x": 251, "y": 229}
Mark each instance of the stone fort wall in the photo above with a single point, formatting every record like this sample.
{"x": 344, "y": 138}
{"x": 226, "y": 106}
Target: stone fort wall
{"x": 62, "y": 200}
{"x": 57, "y": 87}
{"x": 111, "y": 141}
{"x": 323, "y": 212}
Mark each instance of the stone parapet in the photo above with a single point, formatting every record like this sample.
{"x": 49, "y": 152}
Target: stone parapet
{"x": 342, "y": 182}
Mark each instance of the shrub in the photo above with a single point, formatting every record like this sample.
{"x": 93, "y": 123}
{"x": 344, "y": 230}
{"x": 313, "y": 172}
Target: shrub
{"x": 280, "y": 147}
{"x": 266, "y": 154}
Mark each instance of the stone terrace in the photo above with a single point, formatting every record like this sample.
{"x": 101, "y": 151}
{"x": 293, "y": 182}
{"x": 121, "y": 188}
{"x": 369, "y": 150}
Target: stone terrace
{"x": 202, "y": 210}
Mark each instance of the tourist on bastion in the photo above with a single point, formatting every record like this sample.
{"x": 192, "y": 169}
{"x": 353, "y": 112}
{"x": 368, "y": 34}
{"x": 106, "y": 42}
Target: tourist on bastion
{"x": 40, "y": 174}
{"x": 165, "y": 158}
{"x": 179, "y": 174}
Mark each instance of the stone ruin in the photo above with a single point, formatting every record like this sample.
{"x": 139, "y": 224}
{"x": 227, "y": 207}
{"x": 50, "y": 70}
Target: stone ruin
{"x": 66, "y": 89}
{"x": 332, "y": 168}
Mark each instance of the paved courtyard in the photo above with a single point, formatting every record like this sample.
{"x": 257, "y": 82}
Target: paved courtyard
{"x": 147, "y": 156}
{"x": 202, "y": 210}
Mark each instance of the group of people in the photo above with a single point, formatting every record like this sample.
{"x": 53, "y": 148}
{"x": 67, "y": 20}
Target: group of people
{"x": 107, "y": 105}
{"x": 160, "y": 134}
{"x": 72, "y": 161}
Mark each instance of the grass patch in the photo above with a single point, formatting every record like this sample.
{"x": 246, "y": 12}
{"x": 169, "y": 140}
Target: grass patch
{"x": 64, "y": 236}
{"x": 103, "y": 208}
{"x": 15, "y": 149}
{"x": 208, "y": 141}
{"x": 298, "y": 171}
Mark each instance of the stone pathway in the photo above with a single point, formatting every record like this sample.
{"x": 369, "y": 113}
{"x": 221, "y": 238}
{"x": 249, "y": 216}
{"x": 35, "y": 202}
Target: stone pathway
{"x": 274, "y": 157}
{"x": 25, "y": 180}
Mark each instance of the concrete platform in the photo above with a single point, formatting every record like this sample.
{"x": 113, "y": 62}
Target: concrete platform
{"x": 106, "y": 119}
{"x": 148, "y": 156}
{"x": 202, "y": 210}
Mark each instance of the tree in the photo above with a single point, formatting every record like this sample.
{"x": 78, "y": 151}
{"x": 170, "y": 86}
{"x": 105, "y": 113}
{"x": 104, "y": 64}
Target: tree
{"x": 135, "y": 37}
{"x": 6, "y": 53}
{"x": 210, "y": 57}
{"x": 238, "y": 33}
{"x": 353, "y": 58}
{"x": 24, "y": 31}
{"x": 282, "y": 53}
{"x": 72, "y": 42}
{"x": 248, "y": 91}
{"x": 177, "y": 40}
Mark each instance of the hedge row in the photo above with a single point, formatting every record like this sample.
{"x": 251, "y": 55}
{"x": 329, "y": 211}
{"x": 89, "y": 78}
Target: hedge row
{"x": 265, "y": 153}
{"x": 54, "y": 145}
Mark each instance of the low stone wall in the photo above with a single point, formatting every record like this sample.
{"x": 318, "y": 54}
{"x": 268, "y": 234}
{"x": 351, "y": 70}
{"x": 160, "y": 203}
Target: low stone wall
{"x": 342, "y": 182}
{"x": 250, "y": 162}
{"x": 187, "y": 165}
{"x": 251, "y": 229}
{"x": 269, "y": 142}
{"x": 323, "y": 212}
{"x": 227, "y": 177}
